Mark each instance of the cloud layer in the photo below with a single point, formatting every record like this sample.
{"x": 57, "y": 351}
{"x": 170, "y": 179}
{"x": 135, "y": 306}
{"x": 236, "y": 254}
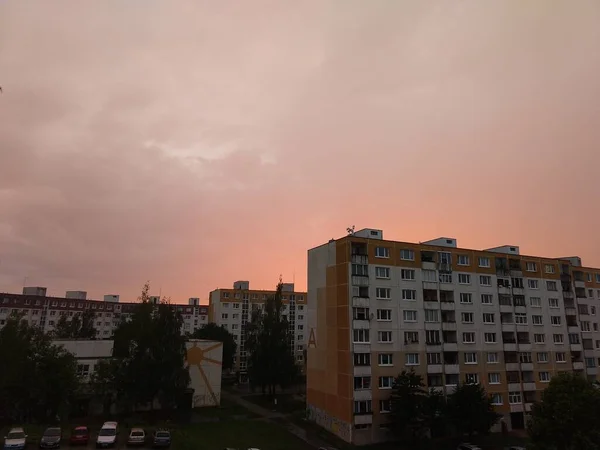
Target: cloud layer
{"x": 194, "y": 143}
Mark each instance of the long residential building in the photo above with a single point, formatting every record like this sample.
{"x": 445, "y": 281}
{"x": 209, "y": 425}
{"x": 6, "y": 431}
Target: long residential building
{"x": 495, "y": 317}
{"x": 232, "y": 308}
{"x": 40, "y": 310}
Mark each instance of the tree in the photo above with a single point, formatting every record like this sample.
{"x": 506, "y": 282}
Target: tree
{"x": 37, "y": 378}
{"x": 567, "y": 418}
{"x": 407, "y": 405}
{"x": 434, "y": 413}
{"x": 470, "y": 410}
{"x": 269, "y": 342}
{"x": 78, "y": 327}
{"x": 214, "y": 332}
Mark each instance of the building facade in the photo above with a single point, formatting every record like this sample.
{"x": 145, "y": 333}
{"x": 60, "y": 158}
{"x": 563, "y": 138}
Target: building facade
{"x": 232, "y": 308}
{"x": 495, "y": 317}
{"x": 45, "y": 312}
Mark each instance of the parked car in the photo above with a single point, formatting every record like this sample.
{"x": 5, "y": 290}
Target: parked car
{"x": 80, "y": 436}
{"x": 137, "y": 436}
{"x": 107, "y": 436}
{"x": 467, "y": 446}
{"x": 161, "y": 438}
{"x": 51, "y": 438}
{"x": 516, "y": 448}
{"x": 16, "y": 439}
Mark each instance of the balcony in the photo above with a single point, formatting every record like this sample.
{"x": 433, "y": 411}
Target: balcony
{"x": 450, "y": 346}
{"x": 578, "y": 365}
{"x": 510, "y": 347}
{"x": 359, "y": 259}
{"x": 363, "y": 418}
{"x": 529, "y": 386}
{"x": 451, "y": 369}
{"x": 513, "y": 366}
{"x": 449, "y": 326}
{"x": 362, "y": 371}
{"x": 360, "y": 280}
{"x": 430, "y": 295}
{"x": 361, "y": 324}
{"x": 434, "y": 368}
{"x": 514, "y": 386}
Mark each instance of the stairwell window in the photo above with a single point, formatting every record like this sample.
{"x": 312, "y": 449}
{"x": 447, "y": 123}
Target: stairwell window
{"x": 382, "y": 252}
{"x": 407, "y": 274}
{"x": 383, "y": 293}
{"x": 464, "y": 278}
{"x": 407, "y": 255}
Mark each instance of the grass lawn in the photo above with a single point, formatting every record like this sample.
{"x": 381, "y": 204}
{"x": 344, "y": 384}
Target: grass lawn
{"x": 286, "y": 403}
{"x": 227, "y": 410}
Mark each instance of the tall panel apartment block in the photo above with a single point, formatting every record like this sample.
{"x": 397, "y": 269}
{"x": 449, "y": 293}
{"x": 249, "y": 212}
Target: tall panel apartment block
{"x": 495, "y": 317}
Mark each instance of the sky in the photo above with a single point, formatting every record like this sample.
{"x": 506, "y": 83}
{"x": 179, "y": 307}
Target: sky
{"x": 195, "y": 143}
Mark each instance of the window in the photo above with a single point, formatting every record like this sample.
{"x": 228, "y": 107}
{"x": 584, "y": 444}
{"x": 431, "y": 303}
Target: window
{"x": 551, "y": 285}
{"x": 361, "y": 335}
{"x": 383, "y": 293}
{"x": 535, "y": 302}
{"x": 494, "y": 378}
{"x": 386, "y": 382}
{"x": 558, "y": 338}
{"x": 470, "y": 358}
{"x": 362, "y": 359}
{"x": 410, "y": 315}
{"x": 492, "y": 357}
{"x": 485, "y": 280}
{"x": 521, "y": 318}
{"x": 585, "y": 326}
{"x": 385, "y": 406}
{"x": 361, "y": 270}
{"x": 484, "y": 261}
{"x": 471, "y": 378}
{"x": 489, "y": 318}
{"x": 384, "y": 336}
{"x": 409, "y": 294}
{"x": 544, "y": 377}
{"x": 362, "y": 383}
{"x": 525, "y": 357}
{"x": 407, "y": 255}
{"x": 542, "y": 357}
{"x": 83, "y": 370}
{"x": 411, "y": 337}
{"x": 490, "y": 338}
{"x": 463, "y": 260}
{"x": 382, "y": 252}
{"x": 432, "y": 315}
{"x": 360, "y": 313}
{"x": 224, "y": 316}
{"x": 363, "y": 407}
{"x": 590, "y": 363}
{"x": 598, "y": 278}
{"x": 464, "y": 278}
{"x": 555, "y": 320}
{"x": 382, "y": 272}
{"x": 533, "y": 284}
{"x": 412, "y": 359}
{"x": 384, "y": 315}
{"x": 429, "y": 275}
{"x": 434, "y": 358}
{"x": 467, "y": 317}
{"x": 514, "y": 397}
{"x": 560, "y": 357}
{"x": 385, "y": 359}
{"x": 539, "y": 338}
{"x": 466, "y": 298}
{"x": 549, "y": 268}
{"x": 553, "y": 303}
{"x": 531, "y": 267}
{"x": 496, "y": 399}
{"x": 468, "y": 338}
{"x": 537, "y": 320}
{"x": 407, "y": 274}
{"x": 487, "y": 299}
{"x": 432, "y": 337}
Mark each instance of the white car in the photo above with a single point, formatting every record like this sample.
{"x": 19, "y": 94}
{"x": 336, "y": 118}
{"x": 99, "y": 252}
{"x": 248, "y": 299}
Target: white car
{"x": 16, "y": 439}
{"x": 137, "y": 436}
{"x": 107, "y": 436}
{"x": 467, "y": 446}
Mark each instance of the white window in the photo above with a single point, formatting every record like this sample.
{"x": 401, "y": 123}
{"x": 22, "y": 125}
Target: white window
{"x": 466, "y": 298}
{"x": 533, "y": 284}
{"x": 467, "y": 317}
{"x": 434, "y": 358}
{"x": 558, "y": 338}
{"x": 224, "y": 316}
{"x": 383, "y": 293}
{"x": 535, "y": 302}
{"x": 553, "y": 303}
{"x": 470, "y": 358}
{"x": 463, "y": 260}
{"x": 384, "y": 336}
{"x": 432, "y": 315}
{"x": 484, "y": 261}
{"x": 514, "y": 397}
{"x": 407, "y": 274}
{"x": 407, "y": 255}
{"x": 585, "y": 326}
{"x": 494, "y": 378}
{"x": 531, "y": 267}
{"x": 409, "y": 294}
{"x": 432, "y": 337}
{"x": 382, "y": 272}
{"x": 521, "y": 318}
{"x": 464, "y": 278}
{"x": 360, "y": 359}
{"x": 549, "y": 268}
{"x": 445, "y": 278}
{"x": 382, "y": 252}
{"x": 537, "y": 320}
{"x": 384, "y": 315}
{"x": 361, "y": 335}
{"x": 471, "y": 378}
{"x": 551, "y": 285}
{"x": 489, "y": 318}
{"x": 542, "y": 357}
{"x": 598, "y": 278}
{"x": 468, "y": 338}
{"x": 539, "y": 338}
{"x": 410, "y": 315}
{"x": 362, "y": 383}
{"x": 490, "y": 338}
{"x": 412, "y": 359}
{"x": 492, "y": 357}
{"x": 496, "y": 399}
{"x": 544, "y": 377}
{"x": 487, "y": 299}
{"x": 384, "y": 359}
{"x": 411, "y": 337}
{"x": 485, "y": 280}
{"x": 385, "y": 406}
{"x": 555, "y": 320}
{"x": 386, "y": 382}
{"x": 429, "y": 275}
{"x": 560, "y": 357}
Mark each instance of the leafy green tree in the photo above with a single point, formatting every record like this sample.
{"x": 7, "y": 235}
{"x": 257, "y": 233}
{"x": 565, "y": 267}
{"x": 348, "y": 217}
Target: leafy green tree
{"x": 269, "y": 343}
{"x": 407, "y": 406}
{"x": 567, "y": 418}
{"x": 78, "y": 327}
{"x": 37, "y": 378}
{"x": 470, "y": 410}
{"x": 214, "y": 332}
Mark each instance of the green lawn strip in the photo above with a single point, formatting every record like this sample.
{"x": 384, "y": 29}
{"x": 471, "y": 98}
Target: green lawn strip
{"x": 227, "y": 410}
{"x": 286, "y": 403}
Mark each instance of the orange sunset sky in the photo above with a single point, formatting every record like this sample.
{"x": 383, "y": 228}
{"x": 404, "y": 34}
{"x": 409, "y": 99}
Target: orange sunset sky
{"x": 194, "y": 143}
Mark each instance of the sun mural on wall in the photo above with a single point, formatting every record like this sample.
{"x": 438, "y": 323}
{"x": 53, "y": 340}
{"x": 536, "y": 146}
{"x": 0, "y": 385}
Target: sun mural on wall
{"x": 196, "y": 356}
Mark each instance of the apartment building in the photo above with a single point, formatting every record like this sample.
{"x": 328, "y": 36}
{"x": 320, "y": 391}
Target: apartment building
{"x": 40, "y": 310}
{"x": 495, "y": 317}
{"x": 232, "y": 308}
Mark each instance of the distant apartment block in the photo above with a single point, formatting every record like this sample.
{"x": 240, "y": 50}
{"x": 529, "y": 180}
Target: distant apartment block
{"x": 495, "y": 317}
{"x": 232, "y": 308}
{"x": 45, "y": 312}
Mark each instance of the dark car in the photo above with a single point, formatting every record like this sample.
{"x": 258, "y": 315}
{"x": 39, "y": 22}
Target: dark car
{"x": 161, "y": 438}
{"x": 80, "y": 436}
{"x": 51, "y": 438}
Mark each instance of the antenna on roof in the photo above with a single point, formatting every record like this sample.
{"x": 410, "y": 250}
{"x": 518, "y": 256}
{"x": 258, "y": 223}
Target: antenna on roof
{"x": 350, "y": 230}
